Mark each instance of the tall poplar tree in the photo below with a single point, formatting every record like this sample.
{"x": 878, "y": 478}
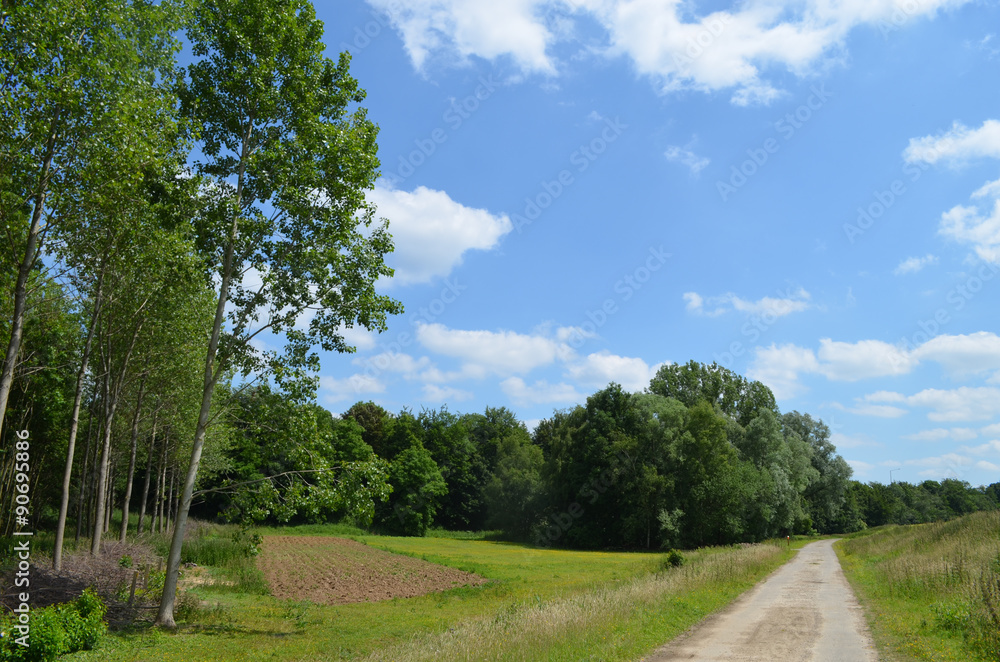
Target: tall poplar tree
{"x": 289, "y": 238}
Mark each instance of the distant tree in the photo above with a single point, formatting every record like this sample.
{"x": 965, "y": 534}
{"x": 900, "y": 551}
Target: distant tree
{"x": 825, "y": 495}
{"x": 733, "y": 394}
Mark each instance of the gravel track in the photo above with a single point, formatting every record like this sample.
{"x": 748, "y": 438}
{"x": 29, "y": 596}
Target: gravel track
{"x": 803, "y": 612}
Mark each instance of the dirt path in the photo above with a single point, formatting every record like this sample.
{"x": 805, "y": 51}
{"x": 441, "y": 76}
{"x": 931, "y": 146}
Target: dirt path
{"x": 804, "y": 612}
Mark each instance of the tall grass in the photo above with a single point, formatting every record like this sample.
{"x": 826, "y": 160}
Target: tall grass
{"x": 932, "y": 582}
{"x": 610, "y": 620}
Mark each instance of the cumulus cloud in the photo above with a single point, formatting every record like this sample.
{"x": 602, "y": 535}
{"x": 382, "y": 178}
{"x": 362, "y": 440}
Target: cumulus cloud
{"x": 496, "y": 352}
{"x": 962, "y": 355}
{"x": 914, "y": 264}
{"x": 977, "y": 225}
{"x": 432, "y": 232}
{"x": 957, "y": 145}
{"x": 334, "y": 390}
{"x": 601, "y": 368}
{"x": 780, "y": 367}
{"x": 666, "y": 41}
{"x": 961, "y": 404}
{"x": 540, "y": 393}
{"x": 435, "y": 393}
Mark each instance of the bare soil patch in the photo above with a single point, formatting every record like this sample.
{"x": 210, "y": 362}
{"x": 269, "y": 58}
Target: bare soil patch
{"x": 332, "y": 571}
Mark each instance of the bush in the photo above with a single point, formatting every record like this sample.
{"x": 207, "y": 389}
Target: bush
{"x": 55, "y": 630}
{"x": 672, "y": 559}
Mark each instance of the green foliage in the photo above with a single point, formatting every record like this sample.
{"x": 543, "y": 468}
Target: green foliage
{"x": 672, "y": 559}
{"x": 55, "y": 630}
{"x": 417, "y": 491}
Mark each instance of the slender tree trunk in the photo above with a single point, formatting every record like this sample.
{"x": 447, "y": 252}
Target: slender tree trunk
{"x": 109, "y": 500}
{"x": 149, "y": 471}
{"x": 31, "y": 250}
{"x": 83, "y": 477}
{"x": 165, "y": 616}
{"x": 113, "y": 396}
{"x": 131, "y": 460}
{"x": 74, "y": 424}
{"x": 161, "y": 479}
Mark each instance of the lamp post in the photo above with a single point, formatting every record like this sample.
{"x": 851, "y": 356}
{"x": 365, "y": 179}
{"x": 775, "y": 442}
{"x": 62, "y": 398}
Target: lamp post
{"x": 890, "y": 474}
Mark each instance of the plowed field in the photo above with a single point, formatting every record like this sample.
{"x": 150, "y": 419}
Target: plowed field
{"x": 329, "y": 570}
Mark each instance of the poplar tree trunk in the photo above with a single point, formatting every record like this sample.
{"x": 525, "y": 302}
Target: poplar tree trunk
{"x": 131, "y": 460}
{"x": 149, "y": 471}
{"x": 74, "y": 423}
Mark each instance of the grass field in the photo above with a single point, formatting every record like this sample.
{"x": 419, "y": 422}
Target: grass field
{"x": 931, "y": 591}
{"x": 540, "y": 604}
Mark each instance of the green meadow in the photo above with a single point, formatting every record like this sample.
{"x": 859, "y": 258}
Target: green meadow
{"x": 541, "y": 604}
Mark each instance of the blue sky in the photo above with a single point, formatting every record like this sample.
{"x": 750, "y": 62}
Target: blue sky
{"x": 806, "y": 192}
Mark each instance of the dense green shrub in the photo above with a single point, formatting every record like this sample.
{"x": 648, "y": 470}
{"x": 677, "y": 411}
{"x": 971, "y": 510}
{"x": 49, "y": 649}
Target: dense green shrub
{"x": 55, "y": 630}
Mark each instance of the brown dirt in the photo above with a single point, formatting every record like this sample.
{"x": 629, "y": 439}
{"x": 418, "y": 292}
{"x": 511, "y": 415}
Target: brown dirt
{"x": 332, "y": 571}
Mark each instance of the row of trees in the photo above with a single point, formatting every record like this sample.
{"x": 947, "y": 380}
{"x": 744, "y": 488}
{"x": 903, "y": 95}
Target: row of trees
{"x": 159, "y": 222}
{"x": 702, "y": 457}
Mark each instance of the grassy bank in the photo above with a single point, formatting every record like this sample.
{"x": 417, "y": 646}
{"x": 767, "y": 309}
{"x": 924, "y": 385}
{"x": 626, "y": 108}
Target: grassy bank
{"x": 542, "y": 604}
{"x": 931, "y": 591}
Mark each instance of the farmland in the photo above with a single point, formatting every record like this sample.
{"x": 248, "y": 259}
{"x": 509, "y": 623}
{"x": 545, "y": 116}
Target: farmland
{"x": 535, "y": 603}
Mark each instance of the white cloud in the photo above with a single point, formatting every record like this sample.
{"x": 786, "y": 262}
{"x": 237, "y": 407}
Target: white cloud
{"x": 963, "y": 355}
{"x": 971, "y": 225}
{"x": 841, "y": 440}
{"x": 975, "y": 225}
{"x": 361, "y": 338}
{"x": 989, "y": 448}
{"x": 940, "y": 434}
{"x": 497, "y": 352}
{"x": 914, "y": 264}
{"x": 961, "y": 404}
{"x": 664, "y": 40}
{"x": 353, "y": 387}
{"x": 779, "y": 367}
{"x": 957, "y": 145}
{"x": 860, "y": 468}
{"x": 395, "y": 362}
{"x": 540, "y": 393}
{"x": 684, "y": 156}
{"x": 991, "y": 430}
{"x": 843, "y": 361}
{"x": 987, "y": 466}
{"x": 949, "y": 465}
{"x": 432, "y": 232}
{"x": 879, "y": 411}
{"x": 435, "y": 393}
{"x": 461, "y": 28}
{"x": 769, "y": 307}
{"x": 601, "y": 368}
{"x": 960, "y": 355}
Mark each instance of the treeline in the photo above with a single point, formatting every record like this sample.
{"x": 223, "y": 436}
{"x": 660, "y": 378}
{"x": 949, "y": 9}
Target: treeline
{"x": 874, "y": 504}
{"x": 702, "y": 457}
